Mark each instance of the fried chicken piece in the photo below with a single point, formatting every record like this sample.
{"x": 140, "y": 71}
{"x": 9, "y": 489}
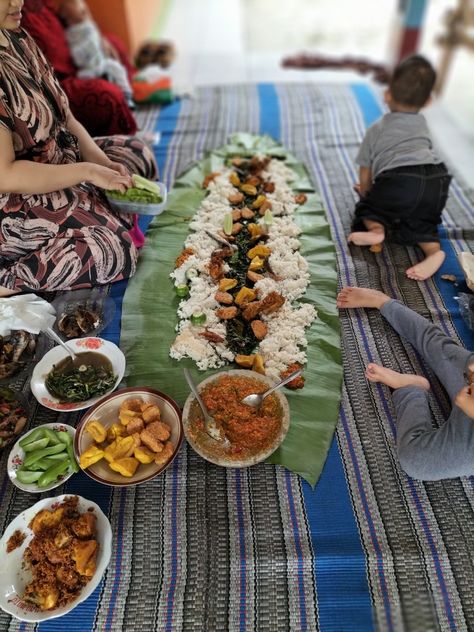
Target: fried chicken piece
{"x": 227, "y": 313}
{"x": 209, "y": 178}
{"x": 252, "y": 310}
{"x": 165, "y": 455}
{"x": 216, "y": 262}
{"x": 300, "y": 198}
{"x": 259, "y": 329}
{"x": 236, "y": 215}
{"x": 272, "y": 302}
{"x": 63, "y": 537}
{"x": 84, "y": 554}
{"x": 185, "y": 254}
{"x": 151, "y": 412}
{"x": 45, "y": 519}
{"x": 68, "y": 577}
{"x": 211, "y": 336}
{"x": 84, "y": 526}
{"x": 269, "y": 187}
{"x": 224, "y": 297}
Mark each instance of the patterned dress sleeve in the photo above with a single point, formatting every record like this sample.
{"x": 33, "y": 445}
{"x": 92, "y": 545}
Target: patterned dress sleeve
{"x": 6, "y": 116}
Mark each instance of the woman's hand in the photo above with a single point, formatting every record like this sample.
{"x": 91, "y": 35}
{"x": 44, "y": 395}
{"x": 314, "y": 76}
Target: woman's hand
{"x": 109, "y": 179}
{"x": 465, "y": 400}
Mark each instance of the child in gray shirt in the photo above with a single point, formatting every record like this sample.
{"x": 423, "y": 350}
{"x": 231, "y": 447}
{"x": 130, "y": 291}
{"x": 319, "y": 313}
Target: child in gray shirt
{"x": 403, "y": 186}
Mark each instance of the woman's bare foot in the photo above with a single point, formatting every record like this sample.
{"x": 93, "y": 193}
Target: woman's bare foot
{"x": 426, "y": 268}
{"x": 366, "y": 238}
{"x": 377, "y": 373}
{"x": 4, "y": 292}
{"x": 361, "y": 297}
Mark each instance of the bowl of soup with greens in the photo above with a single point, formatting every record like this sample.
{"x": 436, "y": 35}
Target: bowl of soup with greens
{"x": 60, "y": 383}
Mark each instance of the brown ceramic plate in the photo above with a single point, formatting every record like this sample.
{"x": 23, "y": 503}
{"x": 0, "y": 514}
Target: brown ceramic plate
{"x": 106, "y": 411}
{"x": 207, "y": 447}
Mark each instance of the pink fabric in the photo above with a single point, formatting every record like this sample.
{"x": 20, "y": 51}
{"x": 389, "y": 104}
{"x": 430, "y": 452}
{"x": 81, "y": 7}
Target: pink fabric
{"x": 136, "y": 234}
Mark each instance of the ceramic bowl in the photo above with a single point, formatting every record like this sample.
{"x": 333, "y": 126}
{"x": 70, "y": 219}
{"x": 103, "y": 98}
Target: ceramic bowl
{"x": 124, "y": 206}
{"x": 17, "y": 456}
{"x": 53, "y": 357}
{"x": 14, "y": 577}
{"x": 107, "y": 412}
{"x": 206, "y": 447}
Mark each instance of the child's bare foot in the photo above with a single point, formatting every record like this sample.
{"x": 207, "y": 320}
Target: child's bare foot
{"x": 426, "y": 268}
{"x": 377, "y": 373}
{"x": 361, "y": 297}
{"x": 366, "y": 238}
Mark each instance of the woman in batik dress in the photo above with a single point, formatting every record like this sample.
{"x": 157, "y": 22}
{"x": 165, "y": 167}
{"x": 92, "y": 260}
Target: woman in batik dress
{"x": 57, "y": 231}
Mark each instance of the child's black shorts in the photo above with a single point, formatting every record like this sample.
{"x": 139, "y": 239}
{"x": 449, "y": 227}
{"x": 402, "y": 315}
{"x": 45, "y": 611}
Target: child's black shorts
{"x": 408, "y": 201}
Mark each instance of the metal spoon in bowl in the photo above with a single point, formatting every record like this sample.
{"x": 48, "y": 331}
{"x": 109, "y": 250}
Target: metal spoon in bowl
{"x": 210, "y": 425}
{"x": 255, "y": 399}
{"x": 76, "y": 361}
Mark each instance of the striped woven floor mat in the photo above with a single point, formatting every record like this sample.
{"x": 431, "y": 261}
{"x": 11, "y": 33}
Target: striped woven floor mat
{"x": 206, "y": 549}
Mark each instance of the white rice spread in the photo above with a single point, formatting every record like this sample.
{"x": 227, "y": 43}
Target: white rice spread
{"x": 285, "y": 342}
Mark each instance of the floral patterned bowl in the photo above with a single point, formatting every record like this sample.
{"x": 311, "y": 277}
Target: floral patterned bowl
{"x": 17, "y": 456}
{"x": 78, "y": 345}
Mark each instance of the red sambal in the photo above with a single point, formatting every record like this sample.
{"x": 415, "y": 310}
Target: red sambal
{"x": 250, "y": 431}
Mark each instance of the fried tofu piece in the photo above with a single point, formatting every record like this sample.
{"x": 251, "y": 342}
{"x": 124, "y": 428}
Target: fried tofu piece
{"x": 84, "y": 526}
{"x": 150, "y": 412}
{"x": 133, "y": 404}
{"x": 165, "y": 455}
{"x": 84, "y": 554}
{"x": 154, "y": 435}
{"x": 259, "y": 329}
{"x": 135, "y": 425}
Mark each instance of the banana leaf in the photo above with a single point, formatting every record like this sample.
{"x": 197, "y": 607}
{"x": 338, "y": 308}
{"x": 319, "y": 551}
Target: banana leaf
{"x": 149, "y": 313}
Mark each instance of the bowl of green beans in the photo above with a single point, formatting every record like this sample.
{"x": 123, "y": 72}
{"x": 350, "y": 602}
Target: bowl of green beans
{"x": 43, "y": 458}
{"x": 139, "y": 201}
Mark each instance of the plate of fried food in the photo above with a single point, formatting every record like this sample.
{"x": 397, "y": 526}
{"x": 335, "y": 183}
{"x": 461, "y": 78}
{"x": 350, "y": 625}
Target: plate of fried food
{"x": 129, "y": 437}
{"x": 53, "y": 556}
{"x": 19, "y": 350}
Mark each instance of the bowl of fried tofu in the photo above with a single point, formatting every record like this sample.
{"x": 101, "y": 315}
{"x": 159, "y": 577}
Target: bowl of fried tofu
{"x": 129, "y": 436}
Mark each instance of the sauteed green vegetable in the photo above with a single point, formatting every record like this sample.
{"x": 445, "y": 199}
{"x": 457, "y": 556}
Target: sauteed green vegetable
{"x": 93, "y": 377}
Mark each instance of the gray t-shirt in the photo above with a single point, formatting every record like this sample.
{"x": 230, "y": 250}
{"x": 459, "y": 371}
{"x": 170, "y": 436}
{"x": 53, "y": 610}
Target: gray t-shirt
{"x": 396, "y": 140}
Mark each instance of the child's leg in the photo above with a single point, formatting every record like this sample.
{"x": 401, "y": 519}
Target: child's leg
{"x": 375, "y": 234}
{"x": 428, "y": 453}
{"x": 445, "y": 357}
{"x": 434, "y": 258}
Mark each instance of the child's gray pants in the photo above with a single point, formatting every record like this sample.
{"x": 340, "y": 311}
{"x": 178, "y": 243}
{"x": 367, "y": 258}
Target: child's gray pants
{"x": 427, "y": 453}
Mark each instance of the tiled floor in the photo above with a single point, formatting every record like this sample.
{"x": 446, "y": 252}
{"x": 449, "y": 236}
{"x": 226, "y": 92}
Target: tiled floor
{"x": 217, "y": 46}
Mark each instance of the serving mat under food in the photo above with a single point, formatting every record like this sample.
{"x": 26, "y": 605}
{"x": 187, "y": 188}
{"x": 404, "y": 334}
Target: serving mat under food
{"x": 202, "y": 548}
